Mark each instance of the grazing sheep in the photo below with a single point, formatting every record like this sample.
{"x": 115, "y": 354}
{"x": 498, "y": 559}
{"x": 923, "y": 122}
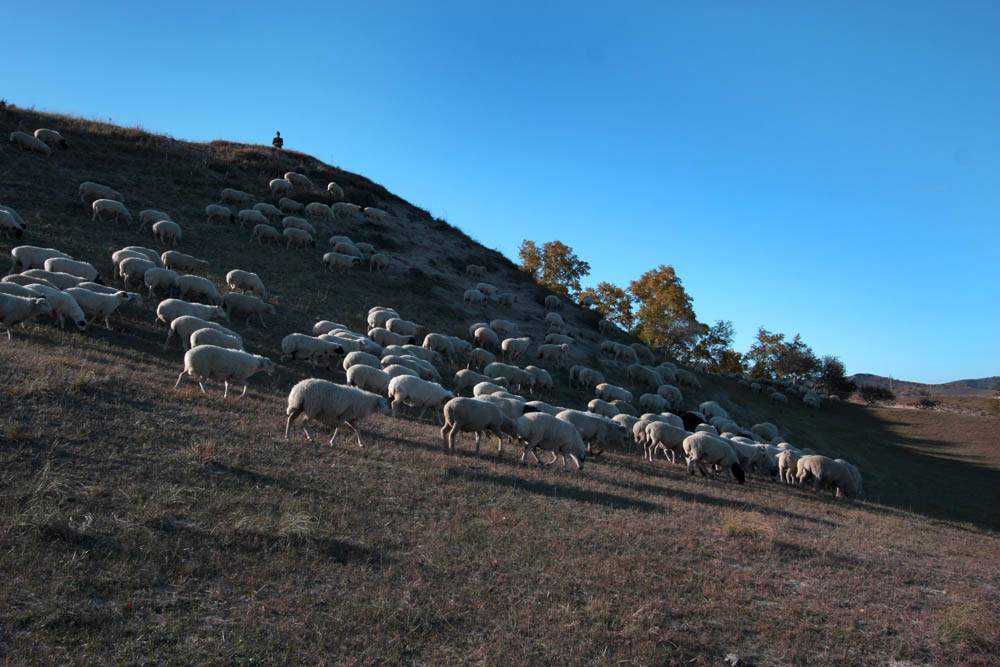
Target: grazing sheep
{"x": 198, "y": 287}
{"x": 90, "y": 191}
{"x": 211, "y": 362}
{"x": 465, "y": 378}
{"x": 552, "y": 302}
{"x": 318, "y": 210}
{"x": 178, "y": 261}
{"x": 249, "y": 216}
{"x": 57, "y": 279}
{"x": 610, "y": 392}
{"x": 625, "y": 407}
{"x": 643, "y": 376}
{"x": 373, "y": 214}
{"x": 424, "y": 369}
{"x": 672, "y": 394}
{"x": 326, "y": 326}
{"x": 416, "y": 393}
{"x": 217, "y": 213}
{"x": 384, "y": 337}
{"x": 235, "y": 304}
{"x": 15, "y": 215}
{"x": 345, "y": 210}
{"x": 687, "y": 379}
{"x": 215, "y": 337}
{"x": 29, "y": 143}
{"x": 653, "y": 403}
{"x": 366, "y": 249}
{"x": 311, "y": 349}
{"x": 538, "y": 430}
{"x": 265, "y": 233}
{"x": 553, "y": 353}
{"x": 379, "y": 262}
{"x": 331, "y": 404}
{"x": 132, "y": 270}
{"x": 488, "y": 387}
{"x": 485, "y": 337}
{"x": 826, "y": 472}
{"x": 165, "y": 230}
{"x": 289, "y": 206}
{"x": 475, "y": 416}
{"x": 660, "y": 435}
{"x": 554, "y": 319}
{"x": 20, "y": 280}
{"x": 403, "y": 327}
{"x": 480, "y": 358}
{"x": 542, "y": 378}
{"x": 473, "y": 297}
{"x": 170, "y": 309}
{"x": 475, "y": 270}
{"x": 507, "y": 299}
{"x": 559, "y": 339}
{"x": 299, "y": 180}
{"x": 489, "y": 290}
{"x": 359, "y": 358}
{"x": 370, "y": 379}
{"x": 515, "y": 348}
{"x": 106, "y": 207}
{"x": 395, "y": 370}
{"x": 335, "y": 190}
{"x": 644, "y": 353}
{"x": 279, "y": 186}
{"x": 233, "y": 197}
{"x": 83, "y": 270}
{"x": 10, "y": 226}
{"x": 595, "y": 429}
{"x": 150, "y": 216}
{"x": 17, "y": 309}
{"x": 52, "y": 138}
{"x": 441, "y": 345}
{"x": 542, "y": 406}
{"x": 298, "y": 238}
{"x": 766, "y": 431}
{"x": 516, "y": 377}
{"x": 603, "y": 408}
{"x": 268, "y": 210}
{"x": 294, "y": 222}
{"x": 246, "y": 281}
{"x": 98, "y": 306}
{"x": 788, "y": 466}
{"x": 63, "y": 305}
{"x": 336, "y": 261}
{"x": 855, "y": 475}
{"x": 183, "y": 326}
{"x": 606, "y": 327}
{"x": 704, "y": 448}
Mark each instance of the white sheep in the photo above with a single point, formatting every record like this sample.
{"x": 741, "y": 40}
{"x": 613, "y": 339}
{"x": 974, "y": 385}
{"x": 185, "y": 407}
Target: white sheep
{"x": 217, "y": 213}
{"x": 489, "y": 290}
{"x": 653, "y": 403}
{"x": 109, "y": 207}
{"x": 331, "y": 404}
{"x": 542, "y": 406}
{"x": 63, "y": 305}
{"x": 288, "y": 206}
{"x": 475, "y": 416}
{"x": 606, "y": 327}
{"x": 373, "y": 214}
{"x": 515, "y": 348}
{"x": 668, "y": 437}
{"x": 384, "y": 337}
{"x": 395, "y": 370}
{"x": 417, "y": 393}
{"x": 465, "y": 378}
{"x": 249, "y": 216}
{"x": 298, "y": 238}
{"x": 424, "y": 369}
{"x": 610, "y": 392}
{"x": 29, "y": 143}
{"x": 52, "y": 138}
{"x": 538, "y": 430}
{"x": 318, "y": 210}
{"x": 603, "y": 408}
{"x": 595, "y": 429}
{"x": 90, "y": 191}
{"x": 506, "y": 299}
{"x": 17, "y": 309}
{"x": 553, "y": 353}
{"x": 211, "y": 362}
{"x": 265, "y": 233}
{"x": 441, "y": 345}
{"x": 132, "y": 270}
{"x": 55, "y": 278}
{"x": 687, "y": 379}
{"x": 336, "y": 261}
{"x": 98, "y": 306}
{"x": 345, "y": 210}
{"x": 825, "y": 472}
{"x": 335, "y": 190}
{"x": 198, "y": 287}
{"x": 183, "y": 326}
{"x": 366, "y": 249}
{"x": 554, "y": 319}
{"x": 235, "y": 303}
{"x": 207, "y": 336}
{"x": 485, "y": 337}
{"x": 15, "y": 215}
{"x": 10, "y": 226}
{"x": 487, "y": 387}
{"x": 359, "y": 358}
{"x": 559, "y": 339}
{"x": 299, "y": 180}
{"x": 855, "y": 475}
{"x": 170, "y": 309}
{"x": 542, "y": 378}
{"x": 279, "y": 186}
{"x": 83, "y": 270}
{"x": 233, "y": 197}
{"x": 166, "y": 230}
{"x": 152, "y": 255}
{"x": 269, "y": 210}
{"x": 311, "y": 349}
{"x": 179, "y": 261}
{"x": 245, "y": 281}
{"x": 672, "y": 394}
{"x": 133, "y": 297}
{"x": 379, "y": 262}
{"x": 473, "y": 297}
{"x": 480, "y": 358}
{"x": 516, "y": 377}
{"x": 18, "y": 279}
{"x": 552, "y": 302}
{"x": 295, "y": 222}
{"x": 704, "y": 448}
{"x": 643, "y": 376}
{"x": 149, "y": 216}
{"x": 370, "y": 379}
{"x": 326, "y": 326}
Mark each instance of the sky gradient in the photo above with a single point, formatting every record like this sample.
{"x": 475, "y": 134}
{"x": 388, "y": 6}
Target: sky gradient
{"x": 829, "y": 169}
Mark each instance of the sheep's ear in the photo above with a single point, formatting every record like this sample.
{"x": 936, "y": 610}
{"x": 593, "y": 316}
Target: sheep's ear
{"x": 738, "y": 473}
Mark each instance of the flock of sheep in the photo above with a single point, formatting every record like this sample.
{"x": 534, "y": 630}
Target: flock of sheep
{"x": 394, "y": 365}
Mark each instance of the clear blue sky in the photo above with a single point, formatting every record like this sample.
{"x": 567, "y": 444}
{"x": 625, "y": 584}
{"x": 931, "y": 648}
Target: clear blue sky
{"x": 829, "y": 169}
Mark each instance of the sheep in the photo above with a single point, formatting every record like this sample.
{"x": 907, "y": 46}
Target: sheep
{"x": 653, "y": 403}
{"x": 318, "y": 210}
{"x": 57, "y": 279}
{"x": 150, "y": 216}
{"x": 249, "y": 216}
{"x": 514, "y": 348}
{"x": 98, "y": 306}
{"x": 178, "y": 261}
{"x": 198, "y": 287}
{"x": 542, "y": 406}
{"x": 15, "y": 215}
{"x": 643, "y": 376}
{"x": 627, "y": 422}
{"x": 610, "y": 392}
{"x": 29, "y": 143}
{"x": 211, "y": 362}
{"x": 165, "y": 230}
{"x": 105, "y": 207}
{"x": 326, "y": 326}
{"x": 22, "y": 290}
{"x": 485, "y": 337}
{"x": 298, "y": 237}
{"x": 625, "y": 354}
{"x": 644, "y": 353}
{"x": 471, "y": 415}
{"x": 559, "y": 339}
{"x": 207, "y": 336}
{"x": 788, "y": 466}
{"x": 603, "y": 408}
{"x": 489, "y": 290}
{"x": 279, "y": 186}
{"x": 339, "y": 238}
{"x": 465, "y": 378}
{"x": 233, "y": 197}
{"x": 507, "y": 299}
{"x": 331, "y": 404}
{"x": 52, "y": 138}
{"x": 687, "y": 379}
{"x": 335, "y": 190}
{"x": 217, "y": 213}
{"x": 706, "y": 428}
{"x": 660, "y": 435}
{"x": 366, "y": 249}
{"x": 606, "y": 327}
{"x": 311, "y": 349}
{"x": 352, "y": 342}
{"x": 133, "y": 297}
{"x": 245, "y": 281}
{"x": 516, "y": 377}
{"x": 827, "y": 472}
{"x": 473, "y": 297}
{"x": 379, "y": 262}
{"x": 395, "y": 370}
{"x": 268, "y": 210}
{"x": 370, "y": 379}
{"x": 82, "y": 270}
{"x": 359, "y": 358}
{"x": 475, "y": 270}
{"x": 480, "y": 358}
{"x": 596, "y": 429}
{"x": 489, "y": 387}
{"x": 778, "y": 397}
{"x": 416, "y": 393}
{"x": 17, "y": 309}
{"x": 10, "y": 226}
{"x": 90, "y": 191}
{"x": 151, "y": 255}
{"x": 712, "y": 409}
{"x": 170, "y": 309}
{"x": 812, "y": 401}
{"x": 855, "y": 475}
{"x": 543, "y": 380}
{"x": 299, "y": 180}
{"x": 672, "y": 394}
{"x": 235, "y": 304}
{"x": 289, "y": 206}
{"x": 63, "y": 305}
{"x": 424, "y": 369}
{"x": 265, "y": 233}
{"x": 625, "y": 407}
{"x": 555, "y": 319}
{"x": 345, "y": 210}
{"x": 552, "y": 302}
{"x": 538, "y": 430}
{"x": 20, "y": 280}
{"x": 668, "y": 372}
{"x": 295, "y": 222}
{"x": 384, "y": 337}
{"x": 132, "y": 270}
{"x": 441, "y": 345}
{"x": 373, "y": 214}
{"x": 336, "y": 261}
{"x": 704, "y": 448}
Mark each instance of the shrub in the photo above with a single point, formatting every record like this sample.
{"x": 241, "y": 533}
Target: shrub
{"x": 873, "y": 394}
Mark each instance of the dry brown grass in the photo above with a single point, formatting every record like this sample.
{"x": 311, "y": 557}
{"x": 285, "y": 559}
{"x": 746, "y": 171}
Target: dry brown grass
{"x": 139, "y": 523}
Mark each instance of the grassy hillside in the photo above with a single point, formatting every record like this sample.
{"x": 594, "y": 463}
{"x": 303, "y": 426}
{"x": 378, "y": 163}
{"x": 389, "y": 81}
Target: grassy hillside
{"x": 142, "y": 523}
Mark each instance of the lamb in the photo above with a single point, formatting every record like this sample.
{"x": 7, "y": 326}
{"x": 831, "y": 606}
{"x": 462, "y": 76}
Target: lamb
{"x": 98, "y": 306}
{"x": 416, "y": 393}
{"x": 279, "y": 186}
{"x": 265, "y": 233}
{"x": 82, "y": 270}
{"x": 268, "y": 210}
{"x": 486, "y": 338}
{"x": 704, "y": 448}
{"x": 370, "y": 379}
{"x": 299, "y": 180}
{"x": 246, "y": 281}
{"x": 52, "y": 138}
{"x": 660, "y": 435}
{"x": 178, "y": 261}
{"x": 211, "y": 362}
{"x": 471, "y": 415}
{"x": 105, "y": 207}
{"x": 198, "y": 287}
{"x": 345, "y": 210}
{"x": 235, "y": 197}
{"x": 538, "y": 430}
{"x": 543, "y": 380}
{"x": 552, "y": 302}
{"x": 516, "y": 377}
{"x": 289, "y": 206}
{"x": 385, "y": 337}
{"x": 359, "y": 358}
{"x": 379, "y": 262}
{"x": 215, "y": 337}
{"x": 249, "y": 216}
{"x": 466, "y": 378}
{"x": 335, "y": 190}
{"x": 336, "y": 261}
{"x": 610, "y": 392}
{"x": 63, "y": 305}
{"x": 90, "y": 191}
{"x": 170, "y": 309}
{"x": 603, "y": 408}
{"x": 29, "y": 143}
{"x": 308, "y": 348}
{"x": 473, "y": 297}
{"x": 10, "y": 226}
{"x": 294, "y": 222}
{"x": 480, "y": 358}
{"x": 331, "y": 404}
{"x": 298, "y": 237}
{"x": 217, "y": 213}
{"x": 17, "y": 309}
{"x": 515, "y": 348}
{"x": 373, "y": 214}
{"x": 827, "y": 472}
{"x": 318, "y": 210}
{"x": 57, "y": 279}
{"x": 235, "y": 304}
{"x": 165, "y": 230}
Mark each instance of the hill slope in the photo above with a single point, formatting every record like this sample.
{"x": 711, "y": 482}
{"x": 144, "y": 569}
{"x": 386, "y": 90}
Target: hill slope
{"x": 141, "y": 523}
{"x": 978, "y": 387}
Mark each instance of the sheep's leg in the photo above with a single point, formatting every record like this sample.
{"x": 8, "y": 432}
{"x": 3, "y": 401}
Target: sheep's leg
{"x": 524, "y": 455}
{"x": 291, "y": 417}
{"x": 395, "y": 407}
{"x": 335, "y": 431}
{"x": 421, "y": 415}
{"x": 202, "y": 387}
{"x": 179, "y": 378}
{"x": 225, "y": 394}
{"x": 444, "y": 437}
{"x": 244, "y": 391}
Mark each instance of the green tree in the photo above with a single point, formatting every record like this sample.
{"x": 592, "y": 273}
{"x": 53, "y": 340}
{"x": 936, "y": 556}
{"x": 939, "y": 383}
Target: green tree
{"x": 665, "y": 318}
{"x": 614, "y": 303}
{"x": 833, "y": 378}
{"x": 715, "y": 349}
{"x": 554, "y": 265}
{"x": 774, "y": 356}
{"x": 763, "y": 354}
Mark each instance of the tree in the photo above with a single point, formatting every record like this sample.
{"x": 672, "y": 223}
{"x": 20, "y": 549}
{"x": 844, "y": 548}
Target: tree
{"x": 665, "y": 318}
{"x": 555, "y": 266}
{"x": 763, "y": 354}
{"x": 715, "y": 349}
{"x": 613, "y": 302}
{"x": 796, "y": 361}
{"x": 833, "y": 378}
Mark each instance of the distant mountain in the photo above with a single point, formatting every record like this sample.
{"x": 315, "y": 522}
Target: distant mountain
{"x": 980, "y": 387}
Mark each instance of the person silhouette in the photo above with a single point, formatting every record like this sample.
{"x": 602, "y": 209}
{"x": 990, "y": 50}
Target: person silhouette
{"x": 278, "y": 142}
